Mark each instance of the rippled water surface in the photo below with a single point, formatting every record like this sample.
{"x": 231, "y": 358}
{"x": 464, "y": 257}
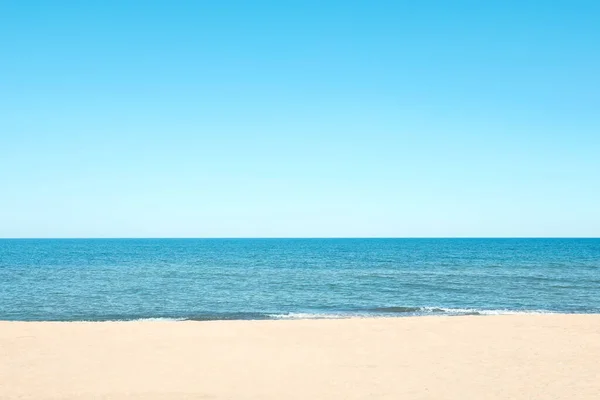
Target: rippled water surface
{"x": 124, "y": 279}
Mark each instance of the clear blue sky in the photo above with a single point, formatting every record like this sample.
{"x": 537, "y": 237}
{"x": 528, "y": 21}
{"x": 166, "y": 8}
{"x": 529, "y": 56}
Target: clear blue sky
{"x": 303, "y": 118}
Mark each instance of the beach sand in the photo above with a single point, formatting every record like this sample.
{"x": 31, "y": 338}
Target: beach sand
{"x": 472, "y": 357}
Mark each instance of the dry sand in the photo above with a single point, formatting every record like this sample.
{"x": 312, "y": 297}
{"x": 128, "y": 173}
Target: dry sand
{"x": 492, "y": 357}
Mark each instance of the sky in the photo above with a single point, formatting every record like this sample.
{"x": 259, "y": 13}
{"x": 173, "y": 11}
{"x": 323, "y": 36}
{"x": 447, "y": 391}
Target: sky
{"x": 299, "y": 118}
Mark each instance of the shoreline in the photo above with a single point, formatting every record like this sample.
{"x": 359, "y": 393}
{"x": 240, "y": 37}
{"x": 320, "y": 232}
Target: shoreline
{"x": 430, "y": 357}
{"x": 312, "y": 317}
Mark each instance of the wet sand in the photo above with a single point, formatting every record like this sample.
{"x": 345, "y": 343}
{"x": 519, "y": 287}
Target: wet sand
{"x": 473, "y": 357}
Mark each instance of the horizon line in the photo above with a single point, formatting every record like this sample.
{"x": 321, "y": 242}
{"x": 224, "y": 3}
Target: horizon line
{"x": 291, "y": 237}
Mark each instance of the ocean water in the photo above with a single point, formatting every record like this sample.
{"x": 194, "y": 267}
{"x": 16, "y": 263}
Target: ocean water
{"x": 205, "y": 279}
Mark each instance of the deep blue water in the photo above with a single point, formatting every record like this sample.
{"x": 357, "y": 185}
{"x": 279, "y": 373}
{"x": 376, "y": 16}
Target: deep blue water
{"x": 125, "y": 279}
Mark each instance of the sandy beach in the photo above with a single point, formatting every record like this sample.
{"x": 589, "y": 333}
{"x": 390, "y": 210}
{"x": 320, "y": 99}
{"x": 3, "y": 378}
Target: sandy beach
{"x": 472, "y": 357}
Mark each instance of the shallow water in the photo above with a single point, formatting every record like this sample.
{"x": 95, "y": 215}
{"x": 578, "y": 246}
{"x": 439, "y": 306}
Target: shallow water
{"x": 204, "y": 279}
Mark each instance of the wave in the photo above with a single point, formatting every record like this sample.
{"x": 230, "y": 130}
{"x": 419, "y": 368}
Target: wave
{"x": 230, "y": 316}
{"x": 159, "y": 319}
{"x": 217, "y": 316}
{"x": 453, "y": 311}
{"x": 396, "y": 309}
{"x": 376, "y": 312}
{"x": 315, "y": 315}
{"x": 402, "y": 311}
{"x": 103, "y": 319}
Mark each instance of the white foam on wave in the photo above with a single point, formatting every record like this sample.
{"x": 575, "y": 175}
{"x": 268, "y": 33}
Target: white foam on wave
{"x": 513, "y": 312}
{"x": 478, "y": 311}
{"x": 157, "y": 319}
{"x": 423, "y": 311}
{"x": 420, "y": 312}
{"x": 161, "y": 319}
{"x": 94, "y": 321}
{"x": 310, "y": 316}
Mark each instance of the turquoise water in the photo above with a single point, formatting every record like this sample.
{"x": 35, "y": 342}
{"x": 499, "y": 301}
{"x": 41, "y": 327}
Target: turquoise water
{"x": 204, "y": 279}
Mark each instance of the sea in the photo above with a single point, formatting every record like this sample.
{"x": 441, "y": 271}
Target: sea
{"x": 254, "y": 279}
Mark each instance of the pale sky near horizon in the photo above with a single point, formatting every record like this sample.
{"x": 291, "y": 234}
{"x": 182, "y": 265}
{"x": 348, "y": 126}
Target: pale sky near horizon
{"x": 299, "y": 119}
